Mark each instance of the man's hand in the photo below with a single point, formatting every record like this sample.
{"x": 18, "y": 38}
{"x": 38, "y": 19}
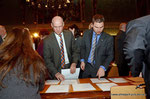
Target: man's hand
{"x": 100, "y": 73}
{"x": 82, "y": 65}
{"x": 73, "y": 68}
{"x": 140, "y": 75}
{"x": 59, "y": 76}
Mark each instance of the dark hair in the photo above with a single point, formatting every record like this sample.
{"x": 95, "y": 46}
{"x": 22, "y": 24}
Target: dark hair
{"x": 17, "y": 51}
{"x": 98, "y": 18}
{"x": 77, "y": 30}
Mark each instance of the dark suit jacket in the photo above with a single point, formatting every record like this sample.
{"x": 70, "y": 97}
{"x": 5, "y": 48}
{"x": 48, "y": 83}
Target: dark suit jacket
{"x": 136, "y": 47}
{"x": 104, "y": 49}
{"x": 51, "y": 52}
{"x": 119, "y": 55}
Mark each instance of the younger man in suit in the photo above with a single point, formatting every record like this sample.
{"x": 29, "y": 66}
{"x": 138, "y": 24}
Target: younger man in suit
{"x": 96, "y": 49}
{"x": 59, "y": 50}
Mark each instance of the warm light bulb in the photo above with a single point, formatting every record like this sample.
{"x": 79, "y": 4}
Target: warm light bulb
{"x": 68, "y": 1}
{"x": 35, "y": 35}
{"x": 27, "y": 0}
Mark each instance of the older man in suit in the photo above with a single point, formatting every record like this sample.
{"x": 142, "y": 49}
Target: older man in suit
{"x": 137, "y": 48}
{"x": 59, "y": 50}
{"x": 96, "y": 49}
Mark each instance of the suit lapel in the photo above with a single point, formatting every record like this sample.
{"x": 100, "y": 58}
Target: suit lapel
{"x": 66, "y": 39}
{"x": 55, "y": 42}
{"x": 90, "y": 37}
{"x": 101, "y": 40}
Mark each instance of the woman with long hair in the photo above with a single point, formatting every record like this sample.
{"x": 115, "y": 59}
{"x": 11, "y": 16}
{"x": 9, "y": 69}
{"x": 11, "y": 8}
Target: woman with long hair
{"x": 22, "y": 70}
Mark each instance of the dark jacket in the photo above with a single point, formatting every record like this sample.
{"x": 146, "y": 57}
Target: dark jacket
{"x": 104, "y": 52}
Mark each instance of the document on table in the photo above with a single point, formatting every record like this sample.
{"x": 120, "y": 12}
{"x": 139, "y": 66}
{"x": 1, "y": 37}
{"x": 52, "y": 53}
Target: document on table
{"x": 68, "y": 75}
{"x": 96, "y": 80}
{"x": 106, "y": 86}
{"x": 49, "y": 82}
{"x": 58, "y": 89}
{"x": 67, "y": 82}
{"x": 83, "y": 87}
{"x": 118, "y": 80}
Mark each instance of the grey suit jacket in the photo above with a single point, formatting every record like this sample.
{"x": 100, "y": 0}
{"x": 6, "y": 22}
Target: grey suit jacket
{"x": 104, "y": 52}
{"x": 137, "y": 38}
{"x": 137, "y": 48}
{"x": 51, "y": 52}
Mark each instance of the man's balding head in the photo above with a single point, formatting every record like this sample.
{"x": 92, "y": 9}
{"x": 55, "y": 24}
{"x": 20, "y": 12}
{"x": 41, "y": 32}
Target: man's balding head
{"x": 2, "y": 31}
{"x": 122, "y": 27}
{"x": 57, "y": 24}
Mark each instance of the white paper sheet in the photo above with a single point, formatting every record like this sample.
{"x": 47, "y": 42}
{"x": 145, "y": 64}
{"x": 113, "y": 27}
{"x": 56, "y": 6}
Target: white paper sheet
{"x": 83, "y": 87}
{"x": 58, "y": 89}
{"x": 49, "y": 82}
{"x": 68, "y": 75}
{"x": 106, "y": 86}
{"x": 118, "y": 80}
{"x": 96, "y": 80}
{"x": 67, "y": 82}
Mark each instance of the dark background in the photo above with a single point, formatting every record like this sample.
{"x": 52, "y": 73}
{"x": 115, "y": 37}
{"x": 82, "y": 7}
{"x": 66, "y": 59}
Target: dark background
{"x": 21, "y": 12}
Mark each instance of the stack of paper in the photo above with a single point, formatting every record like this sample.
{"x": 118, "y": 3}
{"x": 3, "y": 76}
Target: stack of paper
{"x": 67, "y": 82}
{"x": 58, "y": 88}
{"x": 49, "y": 82}
{"x": 68, "y": 75}
{"x": 96, "y": 80}
{"x": 118, "y": 80}
{"x": 106, "y": 86}
{"x": 83, "y": 87}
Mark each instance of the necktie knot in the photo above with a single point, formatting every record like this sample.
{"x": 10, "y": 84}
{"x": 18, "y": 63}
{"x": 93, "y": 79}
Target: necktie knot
{"x": 60, "y": 35}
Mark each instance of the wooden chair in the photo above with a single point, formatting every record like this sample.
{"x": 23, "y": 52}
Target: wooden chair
{"x": 127, "y": 92}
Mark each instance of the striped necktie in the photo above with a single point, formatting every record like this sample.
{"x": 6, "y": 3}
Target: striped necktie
{"x": 62, "y": 52}
{"x": 93, "y": 49}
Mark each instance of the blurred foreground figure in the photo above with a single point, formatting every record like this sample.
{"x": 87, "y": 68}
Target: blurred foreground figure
{"x": 22, "y": 70}
{"x": 137, "y": 48}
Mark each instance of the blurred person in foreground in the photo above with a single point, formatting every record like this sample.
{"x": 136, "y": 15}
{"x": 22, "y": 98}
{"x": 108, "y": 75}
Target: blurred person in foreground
{"x": 22, "y": 70}
{"x": 137, "y": 48}
{"x": 122, "y": 65}
{"x": 60, "y": 51}
{"x": 96, "y": 49}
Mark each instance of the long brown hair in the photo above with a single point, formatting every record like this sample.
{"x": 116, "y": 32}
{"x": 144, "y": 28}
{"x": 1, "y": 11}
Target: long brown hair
{"x": 16, "y": 51}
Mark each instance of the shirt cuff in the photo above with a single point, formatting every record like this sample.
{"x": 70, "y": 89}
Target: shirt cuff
{"x": 103, "y": 67}
{"x": 82, "y": 60}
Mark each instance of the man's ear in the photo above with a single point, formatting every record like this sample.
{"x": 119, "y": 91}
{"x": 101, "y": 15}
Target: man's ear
{"x": 52, "y": 25}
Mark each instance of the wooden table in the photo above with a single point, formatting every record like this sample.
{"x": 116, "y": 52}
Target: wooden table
{"x": 94, "y": 94}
